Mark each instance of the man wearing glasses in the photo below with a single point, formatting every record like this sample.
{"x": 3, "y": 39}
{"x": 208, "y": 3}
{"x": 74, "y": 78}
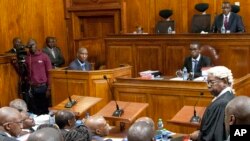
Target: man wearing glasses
{"x": 229, "y": 21}
{"x": 195, "y": 62}
{"x": 219, "y": 82}
{"x": 11, "y": 123}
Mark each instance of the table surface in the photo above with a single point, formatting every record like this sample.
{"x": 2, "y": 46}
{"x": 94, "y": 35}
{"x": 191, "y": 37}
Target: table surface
{"x": 131, "y": 111}
{"x": 83, "y": 104}
{"x": 185, "y": 114}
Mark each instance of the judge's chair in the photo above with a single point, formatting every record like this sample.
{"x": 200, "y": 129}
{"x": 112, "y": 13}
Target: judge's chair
{"x": 162, "y": 27}
{"x": 210, "y": 52}
{"x": 201, "y": 22}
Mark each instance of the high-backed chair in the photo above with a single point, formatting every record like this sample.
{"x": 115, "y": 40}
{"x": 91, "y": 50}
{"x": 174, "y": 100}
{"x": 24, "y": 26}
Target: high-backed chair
{"x": 163, "y": 26}
{"x": 201, "y": 22}
{"x": 210, "y": 52}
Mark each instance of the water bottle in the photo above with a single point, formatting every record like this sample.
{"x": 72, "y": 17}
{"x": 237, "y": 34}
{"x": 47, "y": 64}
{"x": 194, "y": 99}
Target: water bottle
{"x": 169, "y": 30}
{"x": 223, "y": 30}
{"x": 158, "y": 133}
{"x": 160, "y": 124}
{"x": 87, "y": 115}
{"x": 51, "y": 118}
{"x": 184, "y": 73}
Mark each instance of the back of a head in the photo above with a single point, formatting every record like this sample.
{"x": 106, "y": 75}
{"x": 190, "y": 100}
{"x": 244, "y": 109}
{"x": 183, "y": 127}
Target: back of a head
{"x": 148, "y": 120}
{"x": 140, "y": 131}
{"x": 240, "y": 108}
{"x": 98, "y": 125}
{"x": 62, "y": 117}
{"x": 46, "y": 134}
{"x": 78, "y": 133}
{"x": 19, "y": 104}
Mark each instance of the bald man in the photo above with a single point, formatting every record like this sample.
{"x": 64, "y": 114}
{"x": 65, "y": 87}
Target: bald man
{"x": 81, "y": 63}
{"x": 237, "y": 112}
{"x": 148, "y": 120}
{"x": 98, "y": 126}
{"x": 11, "y": 123}
{"x": 46, "y": 134}
{"x": 19, "y": 104}
{"x": 141, "y": 131}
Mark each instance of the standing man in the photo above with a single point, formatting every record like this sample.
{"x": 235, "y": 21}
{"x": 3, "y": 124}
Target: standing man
{"x": 38, "y": 64}
{"x": 230, "y": 21}
{"x": 17, "y": 42}
{"x": 81, "y": 63}
{"x": 219, "y": 82}
{"x": 195, "y": 61}
{"x": 53, "y": 52}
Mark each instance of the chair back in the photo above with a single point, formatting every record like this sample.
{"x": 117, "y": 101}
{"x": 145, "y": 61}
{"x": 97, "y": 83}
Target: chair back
{"x": 201, "y": 23}
{"x": 210, "y": 52}
{"x": 162, "y": 26}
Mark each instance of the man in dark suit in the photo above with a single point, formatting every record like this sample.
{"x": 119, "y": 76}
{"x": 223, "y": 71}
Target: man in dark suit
{"x": 195, "y": 61}
{"x": 228, "y": 20}
{"x": 81, "y": 63}
{"x": 17, "y": 42}
{"x": 53, "y": 52}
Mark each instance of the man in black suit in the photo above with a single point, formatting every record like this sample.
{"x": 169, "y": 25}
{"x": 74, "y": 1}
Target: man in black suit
{"x": 195, "y": 61}
{"x": 81, "y": 63}
{"x": 228, "y": 20}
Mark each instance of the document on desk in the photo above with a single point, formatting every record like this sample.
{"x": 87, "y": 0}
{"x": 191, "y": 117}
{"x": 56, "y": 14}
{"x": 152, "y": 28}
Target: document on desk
{"x": 177, "y": 78}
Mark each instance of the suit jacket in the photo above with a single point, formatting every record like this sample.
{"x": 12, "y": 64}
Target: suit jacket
{"x": 4, "y": 137}
{"x": 75, "y": 65}
{"x": 203, "y": 62}
{"x": 58, "y": 60}
{"x": 235, "y": 23}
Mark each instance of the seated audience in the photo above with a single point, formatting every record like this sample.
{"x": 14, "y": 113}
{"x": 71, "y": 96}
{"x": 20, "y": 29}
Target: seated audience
{"x": 19, "y": 104}
{"x": 237, "y": 112}
{"x": 98, "y": 126}
{"x": 78, "y": 133}
{"x": 46, "y": 125}
{"x": 54, "y": 53}
{"x": 141, "y": 131}
{"x": 11, "y": 123}
{"x": 81, "y": 63}
{"x": 46, "y": 134}
{"x": 228, "y": 20}
{"x": 219, "y": 82}
{"x": 65, "y": 120}
{"x": 195, "y": 61}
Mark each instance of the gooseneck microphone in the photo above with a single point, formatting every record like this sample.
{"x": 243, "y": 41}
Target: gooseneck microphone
{"x": 118, "y": 112}
{"x": 71, "y": 102}
{"x": 195, "y": 118}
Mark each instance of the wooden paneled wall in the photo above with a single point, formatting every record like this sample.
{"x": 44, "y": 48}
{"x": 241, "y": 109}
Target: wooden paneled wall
{"x": 146, "y": 12}
{"x": 32, "y": 18}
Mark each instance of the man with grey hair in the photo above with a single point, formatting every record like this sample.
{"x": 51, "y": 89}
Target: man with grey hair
{"x": 81, "y": 63}
{"x": 219, "y": 82}
{"x": 19, "y": 104}
{"x": 237, "y": 112}
{"x": 141, "y": 131}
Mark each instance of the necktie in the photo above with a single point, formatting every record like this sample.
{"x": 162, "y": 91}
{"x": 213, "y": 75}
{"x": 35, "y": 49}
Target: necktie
{"x": 83, "y": 67}
{"x": 226, "y": 22}
{"x": 195, "y": 63}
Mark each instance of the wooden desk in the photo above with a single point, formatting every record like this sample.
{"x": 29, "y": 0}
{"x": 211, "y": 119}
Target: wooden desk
{"x": 184, "y": 115}
{"x": 83, "y": 104}
{"x": 131, "y": 111}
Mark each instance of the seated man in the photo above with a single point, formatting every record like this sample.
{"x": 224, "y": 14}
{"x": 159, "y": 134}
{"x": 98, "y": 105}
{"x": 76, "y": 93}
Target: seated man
{"x": 147, "y": 120}
{"x": 46, "y": 134}
{"x": 229, "y": 21}
{"x": 11, "y": 123}
{"x": 219, "y": 82}
{"x": 237, "y": 112}
{"x": 140, "y": 131}
{"x": 98, "y": 126}
{"x": 81, "y": 63}
{"x": 65, "y": 120}
{"x": 195, "y": 61}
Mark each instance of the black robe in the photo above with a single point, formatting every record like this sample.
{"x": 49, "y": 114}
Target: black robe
{"x": 212, "y": 124}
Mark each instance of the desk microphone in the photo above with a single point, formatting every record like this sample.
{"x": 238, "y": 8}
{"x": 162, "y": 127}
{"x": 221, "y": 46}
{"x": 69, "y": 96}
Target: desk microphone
{"x": 71, "y": 102}
{"x": 195, "y": 118}
{"x": 118, "y": 112}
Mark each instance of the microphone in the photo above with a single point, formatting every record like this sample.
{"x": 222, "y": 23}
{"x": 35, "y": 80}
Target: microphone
{"x": 71, "y": 102}
{"x": 118, "y": 112}
{"x": 195, "y": 118}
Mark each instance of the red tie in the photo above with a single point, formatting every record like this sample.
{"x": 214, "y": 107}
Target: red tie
{"x": 226, "y": 23}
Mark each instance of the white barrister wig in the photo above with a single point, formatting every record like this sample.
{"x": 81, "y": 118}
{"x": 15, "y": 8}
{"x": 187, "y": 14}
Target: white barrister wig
{"x": 222, "y": 72}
